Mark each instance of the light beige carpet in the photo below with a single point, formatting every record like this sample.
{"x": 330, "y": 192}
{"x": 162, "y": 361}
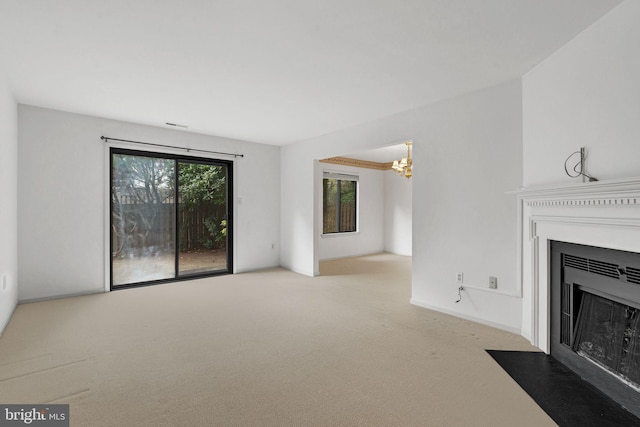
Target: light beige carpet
{"x": 270, "y": 348}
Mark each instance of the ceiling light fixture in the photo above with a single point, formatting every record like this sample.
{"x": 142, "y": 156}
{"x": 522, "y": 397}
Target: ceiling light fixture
{"x": 404, "y": 166}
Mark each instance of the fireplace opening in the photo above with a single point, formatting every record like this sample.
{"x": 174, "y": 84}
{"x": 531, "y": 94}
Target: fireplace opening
{"x": 595, "y": 318}
{"x": 606, "y": 334}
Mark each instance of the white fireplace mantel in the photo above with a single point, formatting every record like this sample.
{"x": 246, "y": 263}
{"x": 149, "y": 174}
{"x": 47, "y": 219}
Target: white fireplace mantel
{"x": 602, "y": 213}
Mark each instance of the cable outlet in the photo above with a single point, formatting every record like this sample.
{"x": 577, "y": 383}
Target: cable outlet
{"x": 493, "y": 282}
{"x": 459, "y": 277}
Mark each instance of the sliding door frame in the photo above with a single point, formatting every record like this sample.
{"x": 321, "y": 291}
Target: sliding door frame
{"x": 177, "y": 158}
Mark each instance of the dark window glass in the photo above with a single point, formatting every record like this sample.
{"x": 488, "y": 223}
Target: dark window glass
{"x": 339, "y": 205}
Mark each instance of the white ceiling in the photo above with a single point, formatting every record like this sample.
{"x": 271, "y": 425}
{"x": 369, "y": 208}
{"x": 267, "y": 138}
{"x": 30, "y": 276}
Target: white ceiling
{"x": 273, "y": 71}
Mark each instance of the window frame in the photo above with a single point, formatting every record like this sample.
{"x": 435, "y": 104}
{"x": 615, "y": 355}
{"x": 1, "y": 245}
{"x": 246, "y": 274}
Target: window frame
{"x": 340, "y": 176}
{"x": 176, "y": 158}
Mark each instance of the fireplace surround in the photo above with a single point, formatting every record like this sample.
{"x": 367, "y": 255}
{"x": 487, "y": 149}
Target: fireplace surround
{"x": 603, "y": 214}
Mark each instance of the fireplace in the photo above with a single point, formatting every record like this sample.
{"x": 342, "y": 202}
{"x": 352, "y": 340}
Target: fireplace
{"x": 595, "y": 317}
{"x": 604, "y": 214}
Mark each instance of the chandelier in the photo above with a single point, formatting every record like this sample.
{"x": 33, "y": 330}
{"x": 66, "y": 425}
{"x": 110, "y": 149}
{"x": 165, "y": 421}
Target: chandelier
{"x": 403, "y": 166}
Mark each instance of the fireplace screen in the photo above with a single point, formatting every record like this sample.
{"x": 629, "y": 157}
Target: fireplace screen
{"x": 606, "y": 333}
{"x": 595, "y": 318}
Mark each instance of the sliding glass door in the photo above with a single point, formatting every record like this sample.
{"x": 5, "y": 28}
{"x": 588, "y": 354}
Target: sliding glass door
{"x": 170, "y": 217}
{"x": 202, "y": 218}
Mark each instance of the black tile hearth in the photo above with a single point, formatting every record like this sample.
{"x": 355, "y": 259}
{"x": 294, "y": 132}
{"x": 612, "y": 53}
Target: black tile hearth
{"x": 564, "y": 396}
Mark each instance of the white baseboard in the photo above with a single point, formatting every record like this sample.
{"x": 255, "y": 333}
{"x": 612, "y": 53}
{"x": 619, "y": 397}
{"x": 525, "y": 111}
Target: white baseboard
{"x": 4, "y": 325}
{"x": 351, "y": 256}
{"x": 71, "y": 295}
{"x": 466, "y": 317}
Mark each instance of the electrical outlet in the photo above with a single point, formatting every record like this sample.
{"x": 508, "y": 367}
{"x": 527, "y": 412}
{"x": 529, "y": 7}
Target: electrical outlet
{"x": 460, "y": 277}
{"x": 493, "y": 282}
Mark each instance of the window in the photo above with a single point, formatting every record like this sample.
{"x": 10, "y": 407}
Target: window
{"x": 339, "y": 203}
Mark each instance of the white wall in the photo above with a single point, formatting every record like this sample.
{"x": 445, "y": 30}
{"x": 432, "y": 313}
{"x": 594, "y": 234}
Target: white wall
{"x": 297, "y": 175}
{"x": 8, "y": 208}
{"x": 586, "y": 94}
{"x": 63, "y": 198}
{"x": 468, "y": 152}
{"x": 398, "y": 202}
{"x": 369, "y": 238}
{"x": 463, "y": 221}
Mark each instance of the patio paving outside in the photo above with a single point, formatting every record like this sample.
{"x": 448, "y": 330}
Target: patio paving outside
{"x": 157, "y": 267}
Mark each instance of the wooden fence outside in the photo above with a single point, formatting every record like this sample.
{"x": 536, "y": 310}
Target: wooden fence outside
{"x": 139, "y": 226}
{"x": 347, "y": 218}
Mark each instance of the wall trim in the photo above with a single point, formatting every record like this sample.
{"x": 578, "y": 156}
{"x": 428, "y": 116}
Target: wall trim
{"x": 6, "y": 322}
{"x": 485, "y": 322}
{"x": 63, "y": 296}
{"x": 598, "y": 193}
{"x": 345, "y": 161}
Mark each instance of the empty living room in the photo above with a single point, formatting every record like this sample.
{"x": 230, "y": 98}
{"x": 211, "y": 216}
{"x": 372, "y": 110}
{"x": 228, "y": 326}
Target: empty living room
{"x": 354, "y": 213}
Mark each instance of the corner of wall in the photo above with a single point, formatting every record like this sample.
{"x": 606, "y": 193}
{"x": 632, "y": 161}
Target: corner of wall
{"x": 296, "y": 219}
{"x": 9, "y": 213}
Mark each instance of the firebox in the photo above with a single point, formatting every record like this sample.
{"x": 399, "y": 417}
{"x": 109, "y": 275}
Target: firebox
{"x": 595, "y": 318}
